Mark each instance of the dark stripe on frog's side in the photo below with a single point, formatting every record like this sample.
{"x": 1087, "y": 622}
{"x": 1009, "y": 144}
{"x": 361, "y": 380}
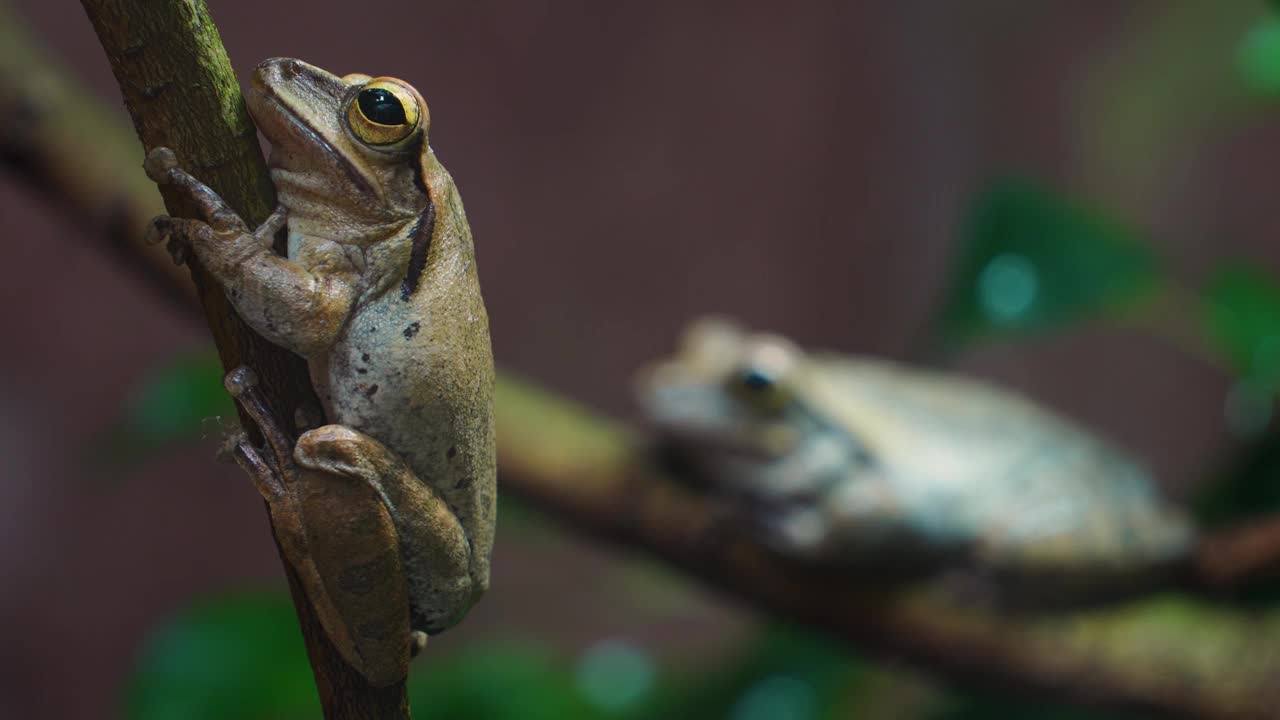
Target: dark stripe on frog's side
{"x": 422, "y": 232}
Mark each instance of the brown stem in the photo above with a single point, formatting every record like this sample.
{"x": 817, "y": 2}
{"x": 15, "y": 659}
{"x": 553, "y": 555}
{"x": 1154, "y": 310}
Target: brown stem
{"x": 1228, "y": 557}
{"x": 180, "y": 91}
{"x": 1177, "y": 656}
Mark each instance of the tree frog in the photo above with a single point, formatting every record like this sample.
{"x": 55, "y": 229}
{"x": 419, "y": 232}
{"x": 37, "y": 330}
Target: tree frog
{"x": 379, "y": 294}
{"x": 842, "y": 462}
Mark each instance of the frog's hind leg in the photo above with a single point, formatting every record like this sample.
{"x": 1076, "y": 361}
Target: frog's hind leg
{"x": 435, "y": 552}
{"x": 340, "y": 538}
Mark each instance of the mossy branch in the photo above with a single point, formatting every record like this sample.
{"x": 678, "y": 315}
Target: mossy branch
{"x": 1177, "y": 656}
{"x": 181, "y": 93}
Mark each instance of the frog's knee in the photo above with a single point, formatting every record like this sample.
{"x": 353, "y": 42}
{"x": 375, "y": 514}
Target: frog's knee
{"x": 344, "y": 451}
{"x": 479, "y": 585}
{"x": 444, "y": 602}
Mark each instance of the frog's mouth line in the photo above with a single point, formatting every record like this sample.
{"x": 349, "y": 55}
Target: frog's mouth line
{"x": 313, "y": 136}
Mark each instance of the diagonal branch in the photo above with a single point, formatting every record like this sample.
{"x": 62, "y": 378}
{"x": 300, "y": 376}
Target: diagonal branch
{"x": 181, "y": 92}
{"x": 1173, "y": 655}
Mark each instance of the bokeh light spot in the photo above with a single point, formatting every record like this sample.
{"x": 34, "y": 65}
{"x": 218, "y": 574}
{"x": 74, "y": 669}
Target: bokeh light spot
{"x": 1007, "y": 288}
{"x": 613, "y": 674}
{"x": 777, "y": 697}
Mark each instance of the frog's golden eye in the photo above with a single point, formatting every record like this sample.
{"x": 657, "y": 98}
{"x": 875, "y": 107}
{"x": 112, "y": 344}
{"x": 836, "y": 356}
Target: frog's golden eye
{"x": 384, "y": 112}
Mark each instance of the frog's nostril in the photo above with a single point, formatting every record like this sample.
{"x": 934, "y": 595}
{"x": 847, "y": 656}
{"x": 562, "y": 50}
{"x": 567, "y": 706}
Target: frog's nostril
{"x": 281, "y": 67}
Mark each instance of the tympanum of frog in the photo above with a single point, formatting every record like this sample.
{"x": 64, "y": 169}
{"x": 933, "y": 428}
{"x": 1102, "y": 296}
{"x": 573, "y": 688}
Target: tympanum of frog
{"x": 842, "y": 462}
{"x": 388, "y": 513}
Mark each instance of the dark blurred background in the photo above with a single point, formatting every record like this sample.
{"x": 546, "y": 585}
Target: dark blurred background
{"x": 804, "y": 167}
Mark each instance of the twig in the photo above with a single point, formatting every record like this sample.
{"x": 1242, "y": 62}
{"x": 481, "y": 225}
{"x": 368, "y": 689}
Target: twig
{"x": 180, "y": 91}
{"x": 1230, "y": 556}
{"x": 1176, "y": 656}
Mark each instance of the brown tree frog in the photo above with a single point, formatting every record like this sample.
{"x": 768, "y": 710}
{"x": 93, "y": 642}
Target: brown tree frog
{"x": 388, "y": 513}
{"x": 836, "y": 461}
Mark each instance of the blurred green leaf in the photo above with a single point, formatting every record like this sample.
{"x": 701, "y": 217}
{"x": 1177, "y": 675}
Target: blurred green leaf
{"x": 1242, "y": 312}
{"x": 1258, "y": 58}
{"x": 177, "y": 398}
{"x": 174, "y": 402}
{"x": 507, "y": 682}
{"x": 241, "y": 657}
{"x": 1030, "y": 260}
{"x": 238, "y": 657}
{"x": 521, "y": 518}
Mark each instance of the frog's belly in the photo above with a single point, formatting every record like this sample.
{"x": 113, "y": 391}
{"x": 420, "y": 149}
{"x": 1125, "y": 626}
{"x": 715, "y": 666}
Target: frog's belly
{"x": 394, "y": 378}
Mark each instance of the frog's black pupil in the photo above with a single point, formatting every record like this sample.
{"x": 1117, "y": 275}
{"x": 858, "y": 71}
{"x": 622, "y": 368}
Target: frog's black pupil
{"x": 381, "y": 107}
{"x": 756, "y": 380}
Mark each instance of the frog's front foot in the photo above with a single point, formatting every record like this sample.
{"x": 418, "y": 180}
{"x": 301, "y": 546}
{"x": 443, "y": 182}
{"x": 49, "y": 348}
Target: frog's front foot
{"x": 162, "y": 167}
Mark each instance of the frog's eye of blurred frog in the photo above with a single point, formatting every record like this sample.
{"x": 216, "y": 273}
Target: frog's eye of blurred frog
{"x": 761, "y": 380}
{"x": 758, "y": 388}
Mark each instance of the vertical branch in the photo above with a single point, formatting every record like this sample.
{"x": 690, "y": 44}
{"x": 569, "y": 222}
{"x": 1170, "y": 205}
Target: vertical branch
{"x": 181, "y": 92}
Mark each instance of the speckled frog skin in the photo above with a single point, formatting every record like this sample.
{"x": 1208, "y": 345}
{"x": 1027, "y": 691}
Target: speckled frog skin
{"x": 843, "y": 462}
{"x": 379, "y": 293}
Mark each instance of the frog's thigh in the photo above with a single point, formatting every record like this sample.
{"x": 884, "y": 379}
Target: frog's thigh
{"x": 354, "y": 576}
{"x": 434, "y": 550}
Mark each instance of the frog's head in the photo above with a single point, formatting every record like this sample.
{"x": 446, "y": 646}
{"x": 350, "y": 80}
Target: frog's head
{"x": 728, "y": 393}
{"x": 346, "y": 152}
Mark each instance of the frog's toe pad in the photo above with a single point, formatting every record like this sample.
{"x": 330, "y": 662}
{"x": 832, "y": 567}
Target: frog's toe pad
{"x": 157, "y": 230}
{"x": 417, "y": 643}
{"x": 160, "y": 161}
{"x": 240, "y": 381}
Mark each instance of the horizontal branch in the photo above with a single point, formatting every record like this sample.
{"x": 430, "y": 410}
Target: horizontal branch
{"x": 1175, "y": 655}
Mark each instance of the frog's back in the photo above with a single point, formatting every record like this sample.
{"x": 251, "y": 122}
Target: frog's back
{"x": 984, "y": 466}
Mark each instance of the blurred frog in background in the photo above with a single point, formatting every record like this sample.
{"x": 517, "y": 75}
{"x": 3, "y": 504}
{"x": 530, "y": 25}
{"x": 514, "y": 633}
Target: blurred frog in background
{"x": 843, "y": 463}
